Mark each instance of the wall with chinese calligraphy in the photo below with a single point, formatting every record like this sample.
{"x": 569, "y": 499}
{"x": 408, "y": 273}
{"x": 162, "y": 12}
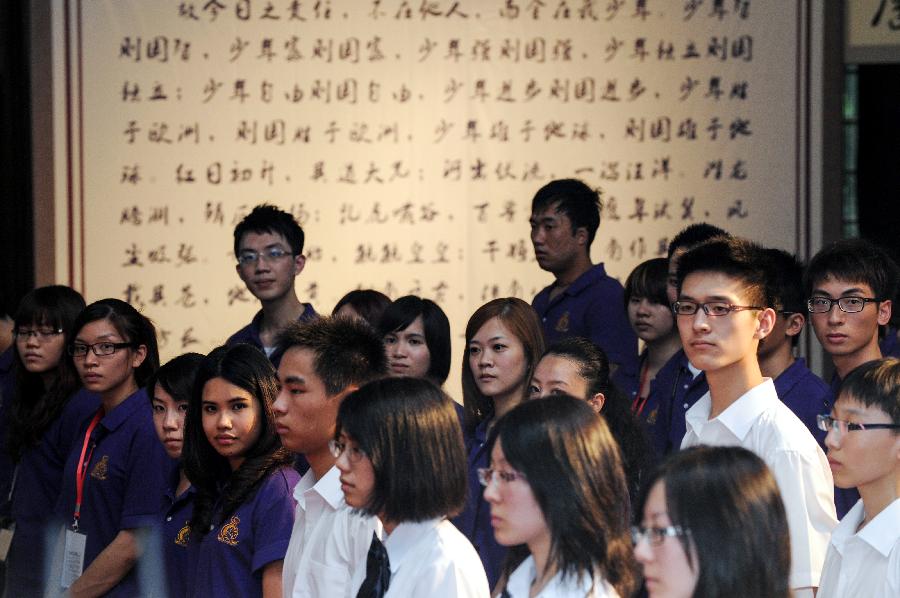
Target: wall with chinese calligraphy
{"x": 408, "y": 137}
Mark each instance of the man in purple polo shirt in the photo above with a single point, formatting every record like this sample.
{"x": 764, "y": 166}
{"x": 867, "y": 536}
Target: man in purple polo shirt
{"x": 268, "y": 244}
{"x": 583, "y": 300}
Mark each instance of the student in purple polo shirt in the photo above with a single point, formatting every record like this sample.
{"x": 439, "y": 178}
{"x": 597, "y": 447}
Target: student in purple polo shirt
{"x": 170, "y": 392}
{"x": 503, "y": 345}
{"x": 416, "y": 335}
{"x": 583, "y": 300}
{"x": 45, "y": 413}
{"x": 797, "y": 387}
{"x": 243, "y": 509}
{"x": 116, "y": 465}
{"x": 268, "y": 245}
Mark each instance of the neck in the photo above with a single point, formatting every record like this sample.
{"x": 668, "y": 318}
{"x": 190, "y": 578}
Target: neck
{"x": 389, "y": 526}
{"x": 662, "y": 349}
{"x": 183, "y": 483}
{"x": 504, "y": 403}
{"x": 844, "y": 364}
{"x": 320, "y": 462}
{"x": 116, "y": 396}
{"x": 540, "y": 551}
{"x": 235, "y": 462}
{"x": 578, "y": 267}
{"x": 280, "y": 312}
{"x": 48, "y": 378}
{"x": 773, "y": 363}
{"x": 728, "y": 384}
{"x": 878, "y": 495}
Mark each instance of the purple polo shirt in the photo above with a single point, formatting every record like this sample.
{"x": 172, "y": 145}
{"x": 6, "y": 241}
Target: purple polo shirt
{"x": 674, "y": 390}
{"x": 37, "y": 489}
{"x": 127, "y": 474}
{"x": 844, "y": 498}
{"x": 174, "y": 530}
{"x": 890, "y": 344}
{"x": 231, "y": 557}
{"x": 250, "y": 333}
{"x": 475, "y": 519}
{"x": 806, "y": 395}
{"x": 591, "y": 307}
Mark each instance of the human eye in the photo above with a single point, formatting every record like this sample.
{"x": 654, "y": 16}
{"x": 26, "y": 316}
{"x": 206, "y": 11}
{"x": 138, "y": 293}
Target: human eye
{"x": 390, "y": 339}
{"x": 685, "y": 308}
{"x": 79, "y": 349}
{"x": 507, "y": 476}
{"x": 209, "y": 408}
{"x": 854, "y": 302}
{"x": 498, "y": 347}
{"x": 239, "y": 406}
{"x": 248, "y": 257}
{"x": 182, "y": 407}
{"x": 276, "y": 252}
{"x": 416, "y": 341}
{"x": 474, "y": 350}
{"x": 106, "y": 348}
{"x": 718, "y": 308}
{"x": 157, "y": 408}
{"x": 821, "y": 302}
{"x": 534, "y": 391}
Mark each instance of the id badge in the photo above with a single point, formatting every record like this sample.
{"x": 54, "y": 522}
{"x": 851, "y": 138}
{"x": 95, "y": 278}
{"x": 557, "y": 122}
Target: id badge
{"x": 6, "y": 536}
{"x": 73, "y": 559}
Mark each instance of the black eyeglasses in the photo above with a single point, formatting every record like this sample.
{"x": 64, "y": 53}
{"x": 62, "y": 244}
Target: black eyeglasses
{"x": 827, "y": 423}
{"x": 99, "y": 349}
{"x": 271, "y": 254}
{"x": 850, "y": 305}
{"x": 710, "y": 308}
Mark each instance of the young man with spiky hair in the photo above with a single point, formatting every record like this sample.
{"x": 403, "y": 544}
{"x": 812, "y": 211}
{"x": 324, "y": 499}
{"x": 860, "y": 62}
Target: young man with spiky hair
{"x": 722, "y": 312}
{"x": 322, "y": 362}
{"x": 268, "y": 245}
{"x": 583, "y": 300}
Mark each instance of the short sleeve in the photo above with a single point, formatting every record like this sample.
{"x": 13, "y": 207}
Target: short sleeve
{"x": 273, "y": 518}
{"x": 148, "y": 469}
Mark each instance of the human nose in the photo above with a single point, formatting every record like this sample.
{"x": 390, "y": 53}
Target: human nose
{"x": 224, "y": 421}
{"x": 833, "y": 438}
{"x": 835, "y": 314}
{"x": 343, "y": 462}
{"x": 491, "y": 492}
{"x": 172, "y": 420}
{"x": 280, "y": 404}
{"x": 485, "y": 360}
{"x": 642, "y": 550}
{"x": 90, "y": 358}
{"x": 700, "y": 321}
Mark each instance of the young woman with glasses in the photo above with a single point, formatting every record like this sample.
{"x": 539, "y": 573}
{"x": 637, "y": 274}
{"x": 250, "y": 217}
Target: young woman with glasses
{"x": 714, "y": 526}
{"x": 400, "y": 453}
{"x": 116, "y": 470}
{"x": 558, "y": 498}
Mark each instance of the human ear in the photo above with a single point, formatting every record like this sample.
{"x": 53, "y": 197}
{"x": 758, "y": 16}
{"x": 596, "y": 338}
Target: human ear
{"x": 597, "y": 401}
{"x": 884, "y": 312}
{"x": 138, "y": 356}
{"x": 795, "y": 323}
{"x": 581, "y": 235}
{"x": 766, "y": 321}
{"x": 299, "y": 264}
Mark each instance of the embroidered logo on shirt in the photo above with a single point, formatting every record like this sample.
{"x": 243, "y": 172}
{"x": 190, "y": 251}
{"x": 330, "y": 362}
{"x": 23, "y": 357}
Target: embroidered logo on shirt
{"x": 184, "y": 534}
{"x": 229, "y": 532}
{"x": 101, "y": 468}
{"x": 651, "y": 419}
{"x": 562, "y": 324}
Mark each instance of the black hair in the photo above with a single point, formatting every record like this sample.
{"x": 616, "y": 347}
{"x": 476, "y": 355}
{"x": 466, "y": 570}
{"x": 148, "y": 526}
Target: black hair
{"x": 648, "y": 281}
{"x": 368, "y": 303}
{"x": 573, "y": 466}
{"x": 593, "y": 367}
{"x": 266, "y": 218}
{"x": 401, "y": 313}
{"x": 854, "y": 260}
{"x": 347, "y": 352}
{"x": 34, "y": 406}
{"x": 247, "y": 367}
{"x": 409, "y": 430}
{"x": 576, "y": 200}
{"x": 728, "y": 501}
{"x": 522, "y": 322}
{"x": 177, "y": 377}
{"x": 784, "y": 279}
{"x": 734, "y": 257}
{"x": 693, "y": 235}
{"x": 131, "y": 325}
{"x": 875, "y": 384}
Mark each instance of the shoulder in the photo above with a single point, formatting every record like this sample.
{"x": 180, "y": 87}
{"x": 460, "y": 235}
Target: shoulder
{"x": 778, "y": 429}
{"x": 279, "y": 483}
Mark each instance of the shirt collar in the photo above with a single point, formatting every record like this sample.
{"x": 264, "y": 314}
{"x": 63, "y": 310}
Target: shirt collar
{"x": 740, "y": 416}
{"x": 328, "y": 488}
{"x": 137, "y": 401}
{"x": 884, "y": 530}
{"x": 404, "y": 537}
{"x": 596, "y": 272}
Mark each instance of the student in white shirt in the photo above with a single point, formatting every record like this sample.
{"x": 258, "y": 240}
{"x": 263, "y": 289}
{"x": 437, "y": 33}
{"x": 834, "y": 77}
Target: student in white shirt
{"x": 864, "y": 452}
{"x": 714, "y": 526}
{"x": 559, "y": 499}
{"x": 400, "y": 451}
{"x": 322, "y": 361}
{"x": 722, "y": 312}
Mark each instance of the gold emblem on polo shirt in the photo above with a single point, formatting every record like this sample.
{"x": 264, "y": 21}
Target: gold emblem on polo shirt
{"x": 101, "y": 468}
{"x": 651, "y": 419}
{"x": 229, "y": 532}
{"x": 562, "y": 324}
{"x": 184, "y": 534}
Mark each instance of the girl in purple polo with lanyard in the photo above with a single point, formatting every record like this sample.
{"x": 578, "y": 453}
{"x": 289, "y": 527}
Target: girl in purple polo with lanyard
{"x": 116, "y": 470}
{"x": 244, "y": 507}
{"x": 44, "y": 413}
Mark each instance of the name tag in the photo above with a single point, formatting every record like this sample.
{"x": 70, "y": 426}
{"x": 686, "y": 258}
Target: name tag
{"x": 6, "y": 536}
{"x": 73, "y": 559}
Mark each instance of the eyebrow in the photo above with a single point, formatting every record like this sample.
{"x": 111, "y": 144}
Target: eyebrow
{"x": 708, "y": 299}
{"x": 100, "y": 338}
{"x": 295, "y": 380}
{"x": 852, "y": 291}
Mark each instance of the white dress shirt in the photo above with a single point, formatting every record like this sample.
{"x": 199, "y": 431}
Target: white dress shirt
{"x": 328, "y": 541}
{"x": 867, "y": 562}
{"x": 431, "y": 559}
{"x": 760, "y": 422}
{"x": 519, "y": 585}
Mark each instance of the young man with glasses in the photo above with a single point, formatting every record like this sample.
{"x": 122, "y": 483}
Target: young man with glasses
{"x": 722, "y": 313}
{"x": 268, "y": 245}
{"x": 863, "y": 442}
{"x": 849, "y": 284}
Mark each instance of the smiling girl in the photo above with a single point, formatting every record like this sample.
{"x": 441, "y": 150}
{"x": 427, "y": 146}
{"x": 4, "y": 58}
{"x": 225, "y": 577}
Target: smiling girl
{"x": 243, "y": 510}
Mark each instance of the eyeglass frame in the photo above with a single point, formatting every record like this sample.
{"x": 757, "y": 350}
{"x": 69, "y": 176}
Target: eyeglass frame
{"x": 832, "y": 302}
{"x": 337, "y": 449}
{"x": 655, "y": 536}
{"x": 486, "y": 475}
{"x": 37, "y": 334}
{"x": 248, "y": 257}
{"x": 823, "y": 419}
{"x": 74, "y": 347}
{"x": 705, "y": 307}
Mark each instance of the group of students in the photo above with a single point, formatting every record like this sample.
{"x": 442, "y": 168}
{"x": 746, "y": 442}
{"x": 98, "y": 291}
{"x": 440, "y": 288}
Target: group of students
{"x": 320, "y": 457}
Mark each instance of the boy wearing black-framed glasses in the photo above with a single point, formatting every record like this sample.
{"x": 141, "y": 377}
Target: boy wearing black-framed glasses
{"x": 723, "y": 311}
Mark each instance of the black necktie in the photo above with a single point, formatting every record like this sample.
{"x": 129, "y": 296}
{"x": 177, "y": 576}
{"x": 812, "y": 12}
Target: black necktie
{"x": 378, "y": 571}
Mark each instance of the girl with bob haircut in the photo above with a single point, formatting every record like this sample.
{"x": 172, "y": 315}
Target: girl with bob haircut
{"x": 504, "y": 342}
{"x": 416, "y": 335}
{"x": 364, "y": 304}
{"x": 44, "y": 412}
{"x": 714, "y": 526}
{"x": 400, "y": 452}
{"x": 116, "y": 466}
{"x": 244, "y": 508}
{"x": 558, "y": 498}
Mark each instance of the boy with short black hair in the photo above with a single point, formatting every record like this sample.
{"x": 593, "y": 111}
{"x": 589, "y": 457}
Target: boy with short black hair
{"x": 322, "y": 362}
{"x": 268, "y": 245}
{"x": 864, "y": 452}
{"x": 722, "y": 313}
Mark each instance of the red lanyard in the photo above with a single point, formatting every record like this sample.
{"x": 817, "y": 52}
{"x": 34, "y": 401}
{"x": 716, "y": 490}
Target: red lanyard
{"x": 637, "y": 406}
{"x": 81, "y": 471}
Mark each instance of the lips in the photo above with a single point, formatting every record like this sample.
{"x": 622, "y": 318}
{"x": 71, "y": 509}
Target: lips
{"x": 90, "y": 377}
{"x": 225, "y": 440}
{"x": 835, "y": 338}
{"x": 281, "y": 430}
{"x": 399, "y": 367}
{"x": 834, "y": 464}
